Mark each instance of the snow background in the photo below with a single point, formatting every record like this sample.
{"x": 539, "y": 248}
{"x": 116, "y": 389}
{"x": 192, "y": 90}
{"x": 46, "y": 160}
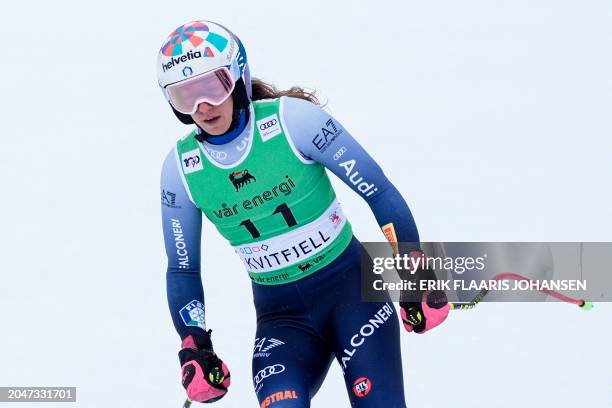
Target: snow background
{"x": 505, "y": 111}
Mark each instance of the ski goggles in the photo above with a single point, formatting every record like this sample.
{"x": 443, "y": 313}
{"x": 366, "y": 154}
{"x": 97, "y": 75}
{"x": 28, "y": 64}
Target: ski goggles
{"x": 213, "y": 87}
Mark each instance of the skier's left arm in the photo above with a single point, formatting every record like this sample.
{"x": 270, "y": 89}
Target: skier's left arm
{"x": 320, "y": 137}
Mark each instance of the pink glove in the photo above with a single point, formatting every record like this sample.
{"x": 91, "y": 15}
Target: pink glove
{"x": 205, "y": 377}
{"x": 427, "y": 314}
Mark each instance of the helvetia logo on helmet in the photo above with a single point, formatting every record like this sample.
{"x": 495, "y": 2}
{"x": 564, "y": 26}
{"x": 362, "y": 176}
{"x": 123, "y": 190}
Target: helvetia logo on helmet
{"x": 183, "y": 58}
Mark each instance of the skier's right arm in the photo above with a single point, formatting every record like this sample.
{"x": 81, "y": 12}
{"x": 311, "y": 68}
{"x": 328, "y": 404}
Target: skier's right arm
{"x": 204, "y": 375}
{"x": 182, "y": 226}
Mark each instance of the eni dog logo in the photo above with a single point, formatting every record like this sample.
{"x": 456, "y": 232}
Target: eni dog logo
{"x": 241, "y": 178}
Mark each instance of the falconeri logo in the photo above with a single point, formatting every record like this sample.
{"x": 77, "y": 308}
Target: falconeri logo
{"x": 367, "y": 330}
{"x": 204, "y": 44}
{"x": 180, "y": 244}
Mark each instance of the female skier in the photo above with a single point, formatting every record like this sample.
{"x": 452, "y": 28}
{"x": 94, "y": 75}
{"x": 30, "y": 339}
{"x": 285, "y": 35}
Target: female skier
{"x": 255, "y": 166}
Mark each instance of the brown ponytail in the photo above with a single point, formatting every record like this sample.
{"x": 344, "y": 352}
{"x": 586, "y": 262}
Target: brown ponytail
{"x": 264, "y": 90}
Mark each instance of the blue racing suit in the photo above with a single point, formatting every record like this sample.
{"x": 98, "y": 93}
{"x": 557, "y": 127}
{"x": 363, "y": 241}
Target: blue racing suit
{"x": 303, "y": 325}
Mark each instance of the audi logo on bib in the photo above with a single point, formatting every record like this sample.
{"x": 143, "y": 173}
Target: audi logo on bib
{"x": 269, "y": 127}
{"x": 268, "y": 124}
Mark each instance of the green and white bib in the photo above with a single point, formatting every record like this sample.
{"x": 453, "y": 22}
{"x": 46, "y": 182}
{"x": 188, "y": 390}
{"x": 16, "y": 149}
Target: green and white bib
{"x": 277, "y": 209}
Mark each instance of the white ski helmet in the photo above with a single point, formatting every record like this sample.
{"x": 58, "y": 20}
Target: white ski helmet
{"x": 202, "y": 61}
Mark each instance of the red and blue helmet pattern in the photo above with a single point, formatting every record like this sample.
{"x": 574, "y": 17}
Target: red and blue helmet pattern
{"x": 196, "y": 33}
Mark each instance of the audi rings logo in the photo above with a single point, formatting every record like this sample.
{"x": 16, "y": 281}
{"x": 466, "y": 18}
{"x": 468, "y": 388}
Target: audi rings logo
{"x": 269, "y": 127}
{"x": 268, "y": 124}
{"x": 339, "y": 153}
{"x": 216, "y": 154}
{"x": 267, "y": 372}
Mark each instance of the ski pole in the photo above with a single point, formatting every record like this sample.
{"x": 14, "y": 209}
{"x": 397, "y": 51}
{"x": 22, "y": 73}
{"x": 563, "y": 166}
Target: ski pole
{"x": 187, "y": 403}
{"x": 584, "y": 304}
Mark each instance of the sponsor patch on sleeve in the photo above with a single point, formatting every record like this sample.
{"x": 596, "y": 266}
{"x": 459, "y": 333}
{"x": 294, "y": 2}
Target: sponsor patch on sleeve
{"x": 193, "y": 314}
{"x": 389, "y": 231}
{"x": 362, "y": 387}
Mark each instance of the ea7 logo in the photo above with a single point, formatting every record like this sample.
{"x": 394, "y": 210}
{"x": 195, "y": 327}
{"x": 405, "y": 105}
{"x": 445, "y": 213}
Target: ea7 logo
{"x": 263, "y": 345}
{"x": 191, "y": 161}
{"x": 269, "y": 127}
{"x": 168, "y": 199}
{"x": 326, "y": 137}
